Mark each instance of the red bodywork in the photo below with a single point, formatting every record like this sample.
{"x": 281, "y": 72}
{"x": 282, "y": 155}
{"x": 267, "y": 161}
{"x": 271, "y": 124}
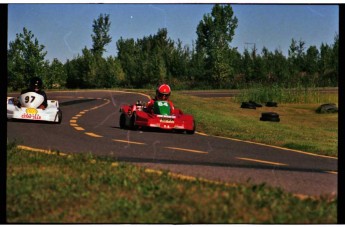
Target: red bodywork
{"x": 137, "y": 116}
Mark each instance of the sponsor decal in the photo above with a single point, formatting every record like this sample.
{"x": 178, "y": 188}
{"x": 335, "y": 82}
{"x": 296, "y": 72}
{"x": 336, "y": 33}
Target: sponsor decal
{"x": 166, "y": 120}
{"x": 31, "y": 113}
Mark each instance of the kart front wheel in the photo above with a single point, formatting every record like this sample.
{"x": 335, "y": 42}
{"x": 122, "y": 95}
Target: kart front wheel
{"x": 191, "y": 132}
{"x": 122, "y": 121}
{"x": 59, "y": 117}
{"x": 133, "y": 125}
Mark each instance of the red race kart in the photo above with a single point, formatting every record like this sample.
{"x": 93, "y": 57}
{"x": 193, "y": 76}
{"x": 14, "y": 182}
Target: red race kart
{"x": 160, "y": 116}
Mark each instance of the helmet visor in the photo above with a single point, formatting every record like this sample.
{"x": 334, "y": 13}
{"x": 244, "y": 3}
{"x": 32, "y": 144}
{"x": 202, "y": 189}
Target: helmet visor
{"x": 163, "y": 96}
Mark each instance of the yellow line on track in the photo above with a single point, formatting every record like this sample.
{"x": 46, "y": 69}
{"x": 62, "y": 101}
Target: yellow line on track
{"x": 188, "y": 150}
{"x": 331, "y": 172}
{"x": 190, "y": 178}
{"x": 262, "y": 161}
{"x": 127, "y": 141}
{"x": 129, "y": 92}
{"x": 79, "y": 128}
{"x": 72, "y": 121}
{"x": 281, "y": 148}
{"x": 40, "y": 150}
{"x": 200, "y": 133}
{"x": 74, "y": 125}
{"x": 93, "y": 134}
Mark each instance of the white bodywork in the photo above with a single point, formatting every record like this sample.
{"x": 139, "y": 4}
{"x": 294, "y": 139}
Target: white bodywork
{"x": 29, "y": 110}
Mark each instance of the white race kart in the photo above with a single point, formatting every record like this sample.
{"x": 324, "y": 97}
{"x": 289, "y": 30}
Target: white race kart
{"x": 28, "y": 108}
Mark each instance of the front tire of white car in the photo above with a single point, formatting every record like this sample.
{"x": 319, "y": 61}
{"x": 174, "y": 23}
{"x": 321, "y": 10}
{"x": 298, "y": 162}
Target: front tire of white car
{"x": 59, "y": 117}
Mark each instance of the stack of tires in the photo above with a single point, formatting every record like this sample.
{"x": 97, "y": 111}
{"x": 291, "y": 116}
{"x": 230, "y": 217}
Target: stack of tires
{"x": 265, "y": 116}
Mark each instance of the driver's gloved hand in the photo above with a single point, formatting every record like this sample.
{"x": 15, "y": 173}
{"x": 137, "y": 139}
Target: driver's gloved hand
{"x": 16, "y": 102}
{"x": 41, "y": 107}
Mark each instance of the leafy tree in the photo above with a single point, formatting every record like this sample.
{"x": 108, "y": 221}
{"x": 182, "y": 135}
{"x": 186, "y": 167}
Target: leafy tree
{"x": 146, "y": 61}
{"x": 247, "y": 66}
{"x": 74, "y": 73}
{"x": 87, "y": 68}
{"x": 81, "y": 71}
{"x": 178, "y": 65}
{"x": 280, "y": 67}
{"x": 196, "y": 65}
{"x": 215, "y": 32}
{"x": 267, "y": 60}
{"x": 335, "y": 61}
{"x": 25, "y": 59}
{"x": 296, "y": 61}
{"x": 312, "y": 60}
{"x": 328, "y": 63}
{"x": 101, "y": 36}
{"x": 128, "y": 54}
{"x": 234, "y": 60}
{"x": 114, "y": 75}
{"x": 56, "y": 75}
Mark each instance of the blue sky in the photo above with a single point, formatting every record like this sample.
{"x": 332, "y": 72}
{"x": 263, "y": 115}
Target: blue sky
{"x": 65, "y": 29}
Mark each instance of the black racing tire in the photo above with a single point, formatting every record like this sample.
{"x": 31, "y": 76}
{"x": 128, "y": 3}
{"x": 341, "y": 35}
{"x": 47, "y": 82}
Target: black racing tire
{"x": 59, "y": 117}
{"x": 248, "y": 105}
{"x": 327, "y": 108}
{"x": 133, "y": 126}
{"x": 270, "y": 115}
{"x": 255, "y": 104}
{"x": 274, "y": 119}
{"x": 122, "y": 121}
{"x": 191, "y": 132}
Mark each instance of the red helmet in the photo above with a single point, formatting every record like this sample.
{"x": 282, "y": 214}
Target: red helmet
{"x": 163, "y": 90}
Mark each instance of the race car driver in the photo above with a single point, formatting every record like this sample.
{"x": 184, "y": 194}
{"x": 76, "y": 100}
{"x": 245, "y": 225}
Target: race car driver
{"x": 163, "y": 92}
{"x": 35, "y": 85}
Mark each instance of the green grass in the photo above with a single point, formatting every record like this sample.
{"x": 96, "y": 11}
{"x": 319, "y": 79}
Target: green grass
{"x": 43, "y": 188}
{"x": 300, "y": 127}
{"x": 261, "y": 93}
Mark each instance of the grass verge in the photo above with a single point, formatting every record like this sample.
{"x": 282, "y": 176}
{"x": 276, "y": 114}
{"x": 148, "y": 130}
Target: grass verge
{"x": 43, "y": 188}
{"x": 300, "y": 127}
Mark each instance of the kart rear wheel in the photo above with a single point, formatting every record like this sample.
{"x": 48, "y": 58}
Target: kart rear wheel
{"x": 122, "y": 121}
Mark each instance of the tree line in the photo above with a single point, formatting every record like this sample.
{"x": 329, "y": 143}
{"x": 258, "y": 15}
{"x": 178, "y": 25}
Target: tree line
{"x": 210, "y": 63}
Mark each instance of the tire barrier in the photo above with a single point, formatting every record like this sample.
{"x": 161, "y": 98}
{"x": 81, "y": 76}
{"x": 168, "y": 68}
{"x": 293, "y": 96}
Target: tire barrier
{"x": 255, "y": 104}
{"x": 270, "y": 116}
{"x": 248, "y": 105}
{"x": 327, "y": 108}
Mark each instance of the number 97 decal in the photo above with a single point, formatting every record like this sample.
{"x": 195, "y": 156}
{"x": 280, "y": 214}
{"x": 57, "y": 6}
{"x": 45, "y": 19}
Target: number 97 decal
{"x": 27, "y": 99}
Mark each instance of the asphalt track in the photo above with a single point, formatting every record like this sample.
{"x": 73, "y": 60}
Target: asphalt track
{"x": 91, "y": 124}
